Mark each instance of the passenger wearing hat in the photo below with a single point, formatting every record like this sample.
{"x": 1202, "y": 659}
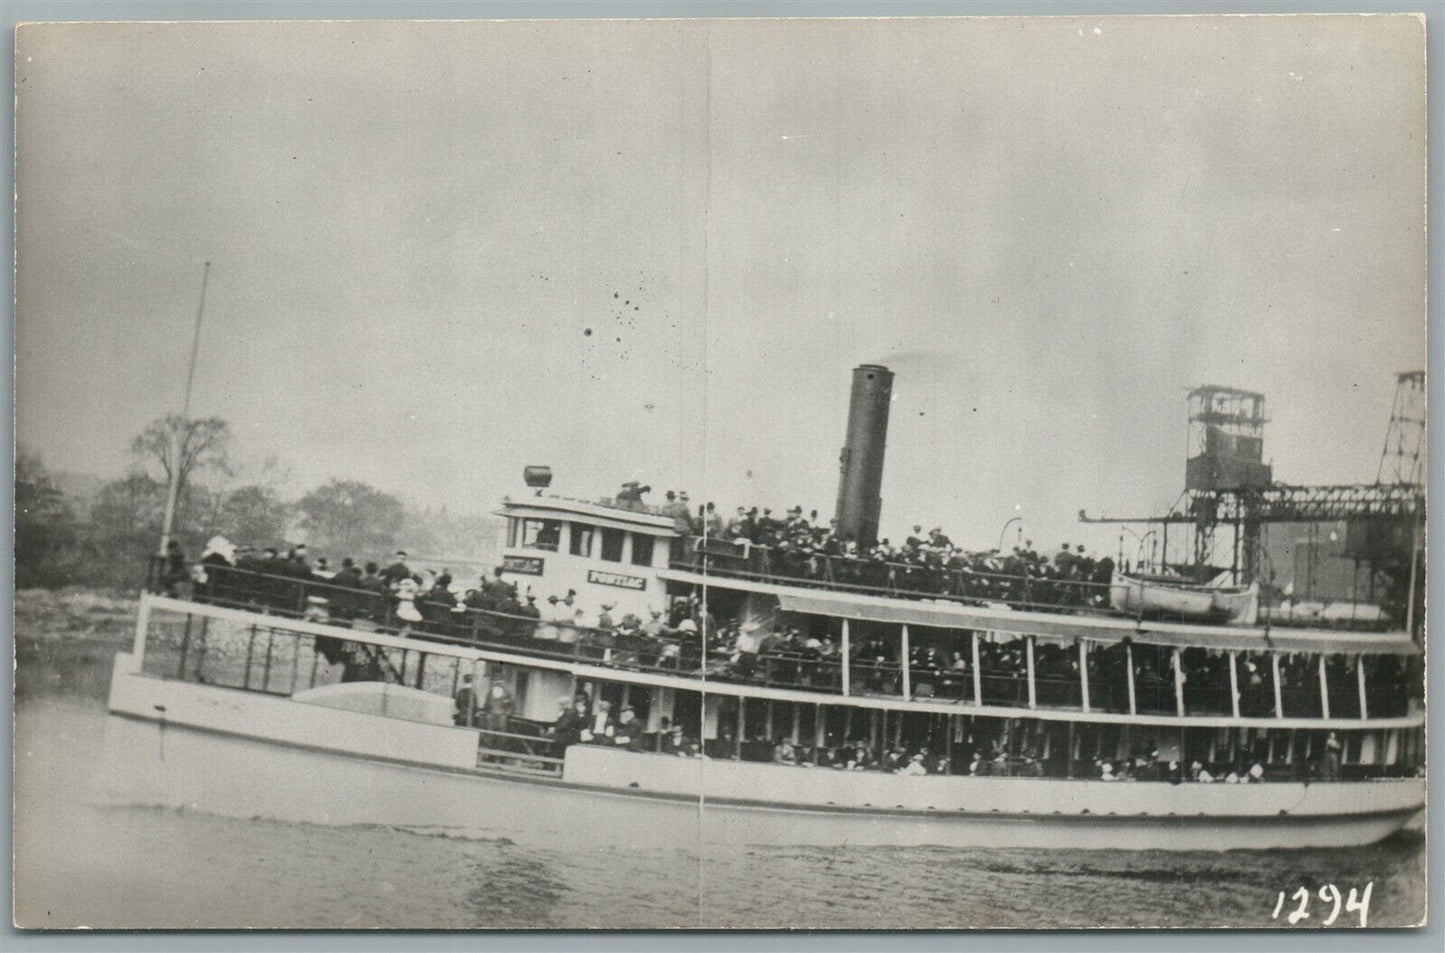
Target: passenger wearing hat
{"x": 712, "y": 521}
{"x": 499, "y": 704}
{"x": 600, "y": 728}
{"x": 297, "y": 566}
{"x": 569, "y": 618}
{"x": 218, "y": 552}
{"x": 1064, "y": 559}
{"x": 497, "y": 588}
{"x": 398, "y": 570}
{"x": 547, "y": 631}
{"x": 680, "y": 512}
{"x": 783, "y": 752}
{"x": 406, "y": 609}
{"x": 751, "y": 526}
{"x": 466, "y": 704}
{"x": 627, "y": 733}
{"x": 530, "y": 611}
{"x": 676, "y": 742}
{"x": 604, "y": 635}
{"x": 630, "y": 641}
{"x": 270, "y": 591}
{"x": 459, "y": 594}
{"x": 479, "y": 598}
{"x": 571, "y": 720}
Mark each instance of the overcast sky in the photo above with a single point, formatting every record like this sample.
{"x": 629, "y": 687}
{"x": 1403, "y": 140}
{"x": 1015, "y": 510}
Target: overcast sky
{"x": 655, "y": 250}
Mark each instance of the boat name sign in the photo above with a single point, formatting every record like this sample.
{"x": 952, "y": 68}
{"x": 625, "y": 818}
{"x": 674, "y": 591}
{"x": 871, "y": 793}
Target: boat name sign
{"x": 617, "y": 579}
{"x": 526, "y": 565}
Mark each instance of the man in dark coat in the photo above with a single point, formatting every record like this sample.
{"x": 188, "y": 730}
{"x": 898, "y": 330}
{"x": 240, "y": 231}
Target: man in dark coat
{"x": 628, "y": 731}
{"x": 398, "y": 570}
{"x": 466, "y": 704}
{"x": 296, "y": 565}
{"x": 498, "y": 589}
{"x": 531, "y": 611}
{"x": 676, "y": 742}
{"x": 576, "y": 712}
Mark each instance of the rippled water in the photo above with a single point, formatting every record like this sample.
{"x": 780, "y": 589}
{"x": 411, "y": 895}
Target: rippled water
{"x": 83, "y": 862}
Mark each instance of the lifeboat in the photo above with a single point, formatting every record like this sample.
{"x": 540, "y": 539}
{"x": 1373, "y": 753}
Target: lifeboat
{"x": 1140, "y": 596}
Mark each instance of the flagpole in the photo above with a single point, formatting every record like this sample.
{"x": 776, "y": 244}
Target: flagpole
{"x": 175, "y": 483}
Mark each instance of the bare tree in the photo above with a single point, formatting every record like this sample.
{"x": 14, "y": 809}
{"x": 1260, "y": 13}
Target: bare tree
{"x": 196, "y": 444}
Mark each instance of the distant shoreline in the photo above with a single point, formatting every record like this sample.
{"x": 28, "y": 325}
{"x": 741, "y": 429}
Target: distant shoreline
{"x": 66, "y": 640}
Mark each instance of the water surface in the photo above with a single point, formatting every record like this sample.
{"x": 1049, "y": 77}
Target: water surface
{"x": 84, "y": 859}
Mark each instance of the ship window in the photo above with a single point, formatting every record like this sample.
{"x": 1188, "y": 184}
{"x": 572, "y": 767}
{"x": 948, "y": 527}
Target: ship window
{"x": 540, "y": 534}
{"x": 612, "y": 545}
{"x": 512, "y": 531}
{"x": 582, "y": 539}
{"x": 641, "y": 550}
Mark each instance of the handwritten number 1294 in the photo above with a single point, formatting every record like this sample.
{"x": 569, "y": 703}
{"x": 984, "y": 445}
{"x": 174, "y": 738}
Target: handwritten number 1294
{"x": 1299, "y": 901}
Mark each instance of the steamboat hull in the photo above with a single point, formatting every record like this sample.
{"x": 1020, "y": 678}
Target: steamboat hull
{"x": 182, "y": 745}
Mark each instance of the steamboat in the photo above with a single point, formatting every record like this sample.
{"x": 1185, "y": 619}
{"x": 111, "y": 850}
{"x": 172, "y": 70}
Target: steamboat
{"x": 802, "y": 686}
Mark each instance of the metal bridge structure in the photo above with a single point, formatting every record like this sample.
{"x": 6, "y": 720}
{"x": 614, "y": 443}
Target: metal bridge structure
{"x": 1228, "y": 486}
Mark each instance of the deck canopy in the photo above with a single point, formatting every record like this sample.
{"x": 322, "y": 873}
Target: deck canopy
{"x": 1067, "y": 628}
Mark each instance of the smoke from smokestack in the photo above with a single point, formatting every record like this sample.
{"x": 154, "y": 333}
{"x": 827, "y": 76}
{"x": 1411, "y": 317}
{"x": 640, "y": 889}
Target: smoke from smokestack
{"x": 860, "y": 481}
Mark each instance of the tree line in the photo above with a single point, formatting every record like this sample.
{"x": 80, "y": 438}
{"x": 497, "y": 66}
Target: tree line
{"x": 105, "y": 539}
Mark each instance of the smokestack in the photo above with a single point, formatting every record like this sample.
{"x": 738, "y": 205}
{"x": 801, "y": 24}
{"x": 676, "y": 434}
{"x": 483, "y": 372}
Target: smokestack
{"x": 860, "y": 480}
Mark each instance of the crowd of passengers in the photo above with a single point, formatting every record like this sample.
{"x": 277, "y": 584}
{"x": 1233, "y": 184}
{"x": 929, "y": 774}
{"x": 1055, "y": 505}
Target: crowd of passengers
{"x": 581, "y": 721}
{"x": 804, "y": 547}
{"x": 428, "y": 602}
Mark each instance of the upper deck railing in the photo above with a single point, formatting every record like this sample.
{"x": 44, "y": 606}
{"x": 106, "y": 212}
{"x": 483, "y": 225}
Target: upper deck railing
{"x": 1117, "y": 678}
{"x": 903, "y": 580}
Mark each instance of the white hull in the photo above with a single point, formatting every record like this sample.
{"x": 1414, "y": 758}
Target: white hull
{"x": 247, "y": 754}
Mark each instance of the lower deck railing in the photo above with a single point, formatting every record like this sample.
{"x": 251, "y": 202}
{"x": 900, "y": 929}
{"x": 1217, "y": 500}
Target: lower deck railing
{"x": 283, "y": 661}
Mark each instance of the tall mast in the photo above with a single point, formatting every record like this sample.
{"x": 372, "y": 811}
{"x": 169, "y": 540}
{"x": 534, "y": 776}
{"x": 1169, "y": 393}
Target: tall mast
{"x": 175, "y": 436}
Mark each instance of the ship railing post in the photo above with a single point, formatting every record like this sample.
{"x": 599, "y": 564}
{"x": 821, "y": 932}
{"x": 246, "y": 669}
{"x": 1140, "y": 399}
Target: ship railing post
{"x": 250, "y": 647}
{"x": 296, "y": 663}
{"x": 1278, "y": 688}
{"x": 142, "y": 631}
{"x": 742, "y": 727}
{"x": 1360, "y": 674}
{"x": 1234, "y": 683}
{"x": 1178, "y": 683}
{"x": 471, "y": 713}
{"x": 977, "y": 672}
{"x": 1033, "y": 688}
{"x": 1129, "y": 678}
{"x": 1084, "y": 673}
{"x": 185, "y": 647}
{"x": 907, "y": 668}
{"x": 1324, "y": 690}
{"x": 846, "y": 657}
{"x": 266, "y": 665}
